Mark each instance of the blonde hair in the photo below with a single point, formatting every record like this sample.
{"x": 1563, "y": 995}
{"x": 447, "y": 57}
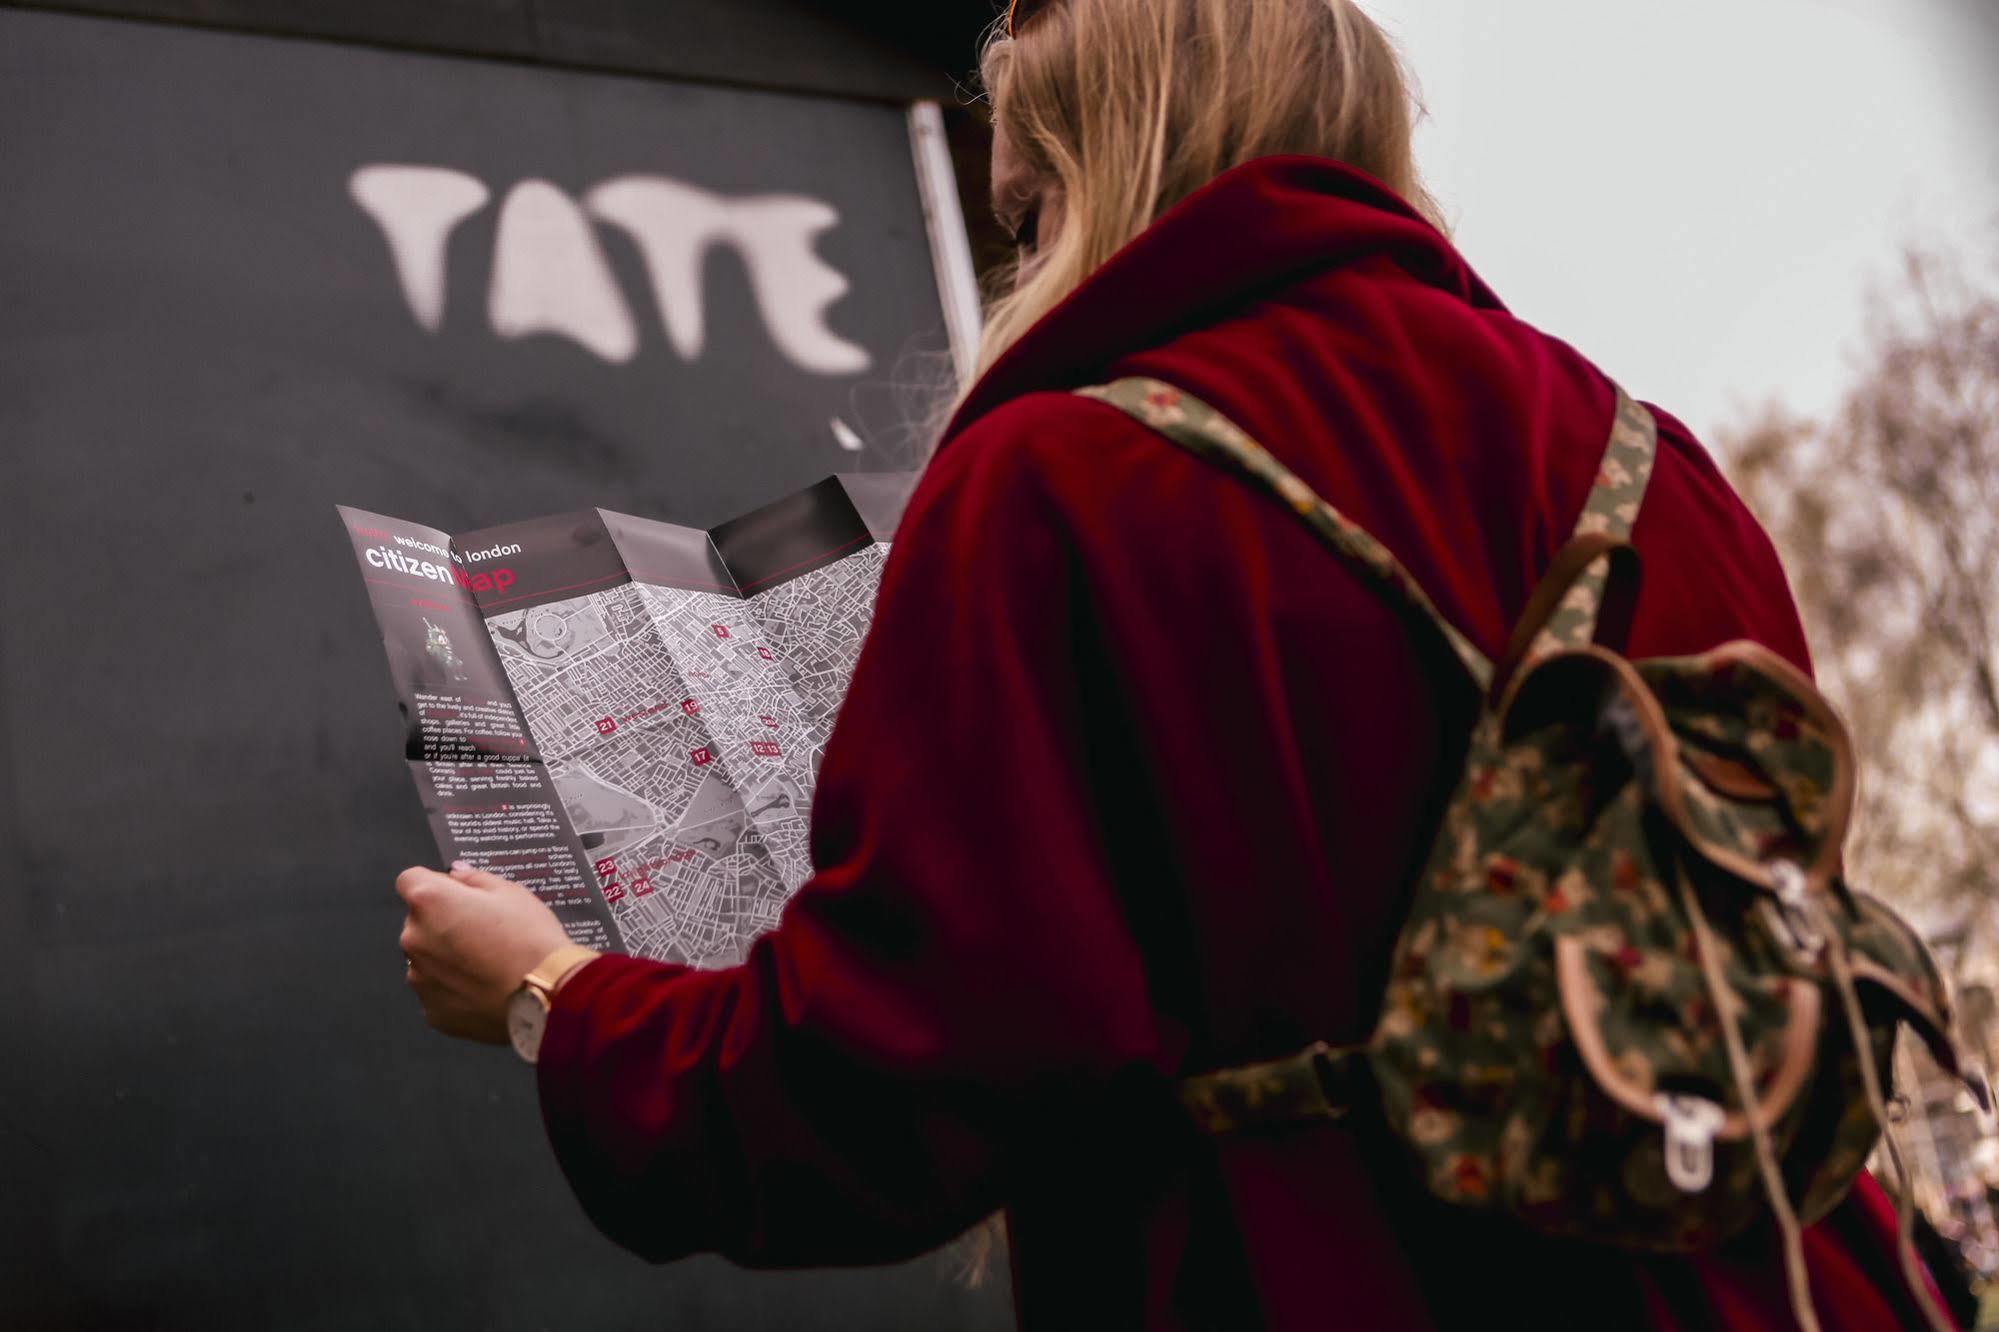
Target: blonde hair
{"x": 1134, "y": 104}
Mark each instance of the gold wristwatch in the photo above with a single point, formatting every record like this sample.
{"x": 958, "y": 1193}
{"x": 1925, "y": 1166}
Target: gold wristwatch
{"x": 527, "y": 1010}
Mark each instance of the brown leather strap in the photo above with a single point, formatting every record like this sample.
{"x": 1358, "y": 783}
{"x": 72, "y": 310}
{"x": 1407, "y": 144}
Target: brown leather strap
{"x": 1587, "y": 594}
{"x": 1613, "y": 621}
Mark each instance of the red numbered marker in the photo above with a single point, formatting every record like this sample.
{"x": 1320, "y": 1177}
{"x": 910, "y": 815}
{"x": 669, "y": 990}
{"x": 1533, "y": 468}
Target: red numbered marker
{"x": 641, "y": 885}
{"x": 721, "y": 630}
{"x": 765, "y": 748}
{"x": 607, "y": 868}
{"x": 613, "y": 892}
{"x": 605, "y": 726}
{"x": 767, "y": 720}
{"x": 702, "y": 756}
{"x": 764, "y": 652}
{"x": 689, "y": 706}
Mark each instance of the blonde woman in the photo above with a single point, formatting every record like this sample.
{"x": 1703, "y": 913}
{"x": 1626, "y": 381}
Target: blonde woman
{"x": 1132, "y": 773}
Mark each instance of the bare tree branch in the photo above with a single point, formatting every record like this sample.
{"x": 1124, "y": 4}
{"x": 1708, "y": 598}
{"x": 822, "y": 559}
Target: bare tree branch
{"x": 1885, "y": 517}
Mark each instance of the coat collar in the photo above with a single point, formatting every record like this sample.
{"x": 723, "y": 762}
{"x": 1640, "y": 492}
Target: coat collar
{"x": 1248, "y": 234}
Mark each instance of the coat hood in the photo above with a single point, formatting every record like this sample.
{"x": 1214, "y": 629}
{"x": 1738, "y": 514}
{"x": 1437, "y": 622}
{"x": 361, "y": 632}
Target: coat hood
{"x": 1247, "y": 234}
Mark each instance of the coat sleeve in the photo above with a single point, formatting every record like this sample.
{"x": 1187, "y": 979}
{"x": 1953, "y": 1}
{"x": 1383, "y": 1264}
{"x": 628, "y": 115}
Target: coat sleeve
{"x": 955, "y": 971}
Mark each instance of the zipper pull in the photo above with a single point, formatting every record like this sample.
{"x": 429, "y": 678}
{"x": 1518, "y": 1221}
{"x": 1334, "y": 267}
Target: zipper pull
{"x": 1691, "y": 1123}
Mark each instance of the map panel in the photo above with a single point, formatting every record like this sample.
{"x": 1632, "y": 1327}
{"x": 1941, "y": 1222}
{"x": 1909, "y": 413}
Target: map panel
{"x": 487, "y": 795}
{"x": 740, "y": 691}
{"x": 815, "y": 624}
{"x": 656, "y": 791}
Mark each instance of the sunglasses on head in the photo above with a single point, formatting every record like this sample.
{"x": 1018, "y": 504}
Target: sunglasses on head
{"x": 1020, "y": 12}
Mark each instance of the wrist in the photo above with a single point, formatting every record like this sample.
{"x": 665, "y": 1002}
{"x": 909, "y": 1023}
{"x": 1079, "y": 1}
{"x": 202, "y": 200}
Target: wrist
{"x": 528, "y": 1009}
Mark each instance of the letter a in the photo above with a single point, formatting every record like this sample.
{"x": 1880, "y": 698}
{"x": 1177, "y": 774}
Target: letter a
{"x": 549, "y": 276}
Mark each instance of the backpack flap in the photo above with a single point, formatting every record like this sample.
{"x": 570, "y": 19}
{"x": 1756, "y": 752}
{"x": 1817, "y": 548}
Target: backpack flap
{"x": 1763, "y": 769}
{"x": 1654, "y": 1068}
{"x": 1762, "y": 789}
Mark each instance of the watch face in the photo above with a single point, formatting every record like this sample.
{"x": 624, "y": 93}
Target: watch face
{"x": 526, "y": 1021}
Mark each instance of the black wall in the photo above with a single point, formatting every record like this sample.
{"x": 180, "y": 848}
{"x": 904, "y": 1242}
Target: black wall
{"x": 218, "y": 1106}
{"x": 896, "y": 50}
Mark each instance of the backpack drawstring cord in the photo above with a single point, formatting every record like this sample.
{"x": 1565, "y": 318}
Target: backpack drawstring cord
{"x": 1905, "y": 1200}
{"x": 1752, "y": 1110}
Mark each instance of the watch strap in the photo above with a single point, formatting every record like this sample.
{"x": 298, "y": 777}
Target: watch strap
{"x": 548, "y": 972}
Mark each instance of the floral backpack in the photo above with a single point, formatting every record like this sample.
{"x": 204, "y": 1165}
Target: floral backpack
{"x": 1633, "y": 999}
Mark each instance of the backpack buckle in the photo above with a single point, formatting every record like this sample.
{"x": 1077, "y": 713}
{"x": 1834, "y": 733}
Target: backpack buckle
{"x": 1621, "y": 719}
{"x": 1793, "y": 917}
{"x": 1691, "y": 1123}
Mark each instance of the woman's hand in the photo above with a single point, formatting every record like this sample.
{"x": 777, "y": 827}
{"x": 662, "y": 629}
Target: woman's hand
{"x": 469, "y": 938}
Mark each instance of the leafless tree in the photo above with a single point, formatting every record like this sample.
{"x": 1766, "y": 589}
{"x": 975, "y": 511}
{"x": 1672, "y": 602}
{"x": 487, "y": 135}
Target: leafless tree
{"x": 1887, "y": 518}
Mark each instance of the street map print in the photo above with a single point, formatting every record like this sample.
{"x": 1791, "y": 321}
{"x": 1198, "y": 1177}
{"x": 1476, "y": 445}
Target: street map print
{"x": 676, "y": 688}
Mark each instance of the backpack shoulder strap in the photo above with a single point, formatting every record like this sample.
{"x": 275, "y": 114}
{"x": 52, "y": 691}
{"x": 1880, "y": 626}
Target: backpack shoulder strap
{"x": 1203, "y": 431}
{"x": 1623, "y": 472}
{"x": 1576, "y": 595}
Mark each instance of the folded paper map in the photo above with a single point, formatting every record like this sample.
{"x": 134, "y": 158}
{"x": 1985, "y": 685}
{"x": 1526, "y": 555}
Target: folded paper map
{"x": 627, "y": 715}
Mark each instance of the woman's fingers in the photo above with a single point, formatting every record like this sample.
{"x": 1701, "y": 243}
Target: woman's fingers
{"x": 417, "y": 882}
{"x": 468, "y": 937}
{"x": 477, "y": 878}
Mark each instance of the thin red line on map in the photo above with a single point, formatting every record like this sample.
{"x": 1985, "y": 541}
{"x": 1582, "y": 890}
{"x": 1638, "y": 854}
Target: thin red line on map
{"x": 407, "y": 587}
{"x": 651, "y": 579}
{"x": 547, "y": 591}
{"x": 865, "y": 538}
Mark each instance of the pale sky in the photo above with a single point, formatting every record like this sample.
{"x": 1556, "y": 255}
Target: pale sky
{"x": 1697, "y": 194}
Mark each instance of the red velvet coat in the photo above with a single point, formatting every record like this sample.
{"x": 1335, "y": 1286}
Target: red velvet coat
{"x": 1128, "y": 784}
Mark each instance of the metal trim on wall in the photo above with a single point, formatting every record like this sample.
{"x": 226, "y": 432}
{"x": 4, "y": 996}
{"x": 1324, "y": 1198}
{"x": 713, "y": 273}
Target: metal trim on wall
{"x": 950, "y": 247}
{"x": 861, "y": 49}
